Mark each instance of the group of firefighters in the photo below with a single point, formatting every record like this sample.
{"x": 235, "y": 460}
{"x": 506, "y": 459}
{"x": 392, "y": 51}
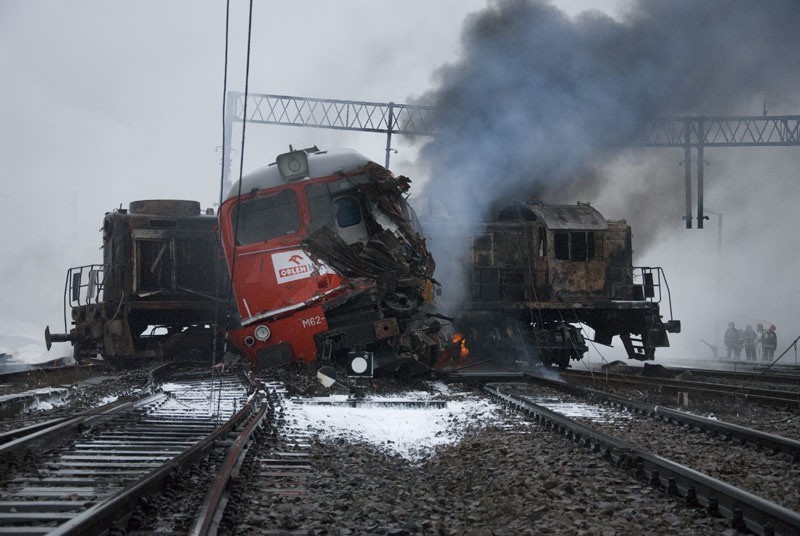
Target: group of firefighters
{"x": 758, "y": 343}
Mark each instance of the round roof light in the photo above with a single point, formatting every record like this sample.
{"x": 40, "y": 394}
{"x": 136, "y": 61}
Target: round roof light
{"x": 262, "y": 333}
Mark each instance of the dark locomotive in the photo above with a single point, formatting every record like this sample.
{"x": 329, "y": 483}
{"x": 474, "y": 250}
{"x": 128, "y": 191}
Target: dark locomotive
{"x": 319, "y": 259}
{"x": 157, "y": 294}
{"x": 539, "y": 271}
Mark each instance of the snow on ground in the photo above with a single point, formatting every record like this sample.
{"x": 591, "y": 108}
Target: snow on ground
{"x": 43, "y": 399}
{"x": 407, "y": 431}
{"x": 201, "y": 400}
{"x": 108, "y": 399}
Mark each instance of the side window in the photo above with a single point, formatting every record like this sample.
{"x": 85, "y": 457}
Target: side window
{"x": 329, "y": 202}
{"x": 348, "y": 212}
{"x": 542, "y": 242}
{"x": 154, "y": 258}
{"x": 578, "y": 246}
{"x": 561, "y": 245}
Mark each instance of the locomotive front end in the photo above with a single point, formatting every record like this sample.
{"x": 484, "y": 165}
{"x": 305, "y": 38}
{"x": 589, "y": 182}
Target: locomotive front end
{"x": 326, "y": 264}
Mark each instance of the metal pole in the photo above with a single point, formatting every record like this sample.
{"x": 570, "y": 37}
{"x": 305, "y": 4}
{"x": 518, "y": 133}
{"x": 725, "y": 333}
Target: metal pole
{"x": 389, "y": 127}
{"x": 718, "y": 277}
{"x": 700, "y": 164}
{"x": 226, "y": 141}
{"x": 687, "y": 167}
{"x": 719, "y": 264}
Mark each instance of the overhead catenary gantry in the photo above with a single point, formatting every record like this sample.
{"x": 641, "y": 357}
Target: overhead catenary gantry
{"x": 387, "y": 118}
{"x": 689, "y": 133}
{"x": 700, "y": 132}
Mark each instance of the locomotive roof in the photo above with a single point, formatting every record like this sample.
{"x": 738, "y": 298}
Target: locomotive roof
{"x": 582, "y": 216}
{"x": 320, "y": 163}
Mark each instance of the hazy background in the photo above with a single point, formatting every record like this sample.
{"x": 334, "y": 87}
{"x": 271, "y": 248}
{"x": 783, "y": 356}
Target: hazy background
{"x": 108, "y": 102}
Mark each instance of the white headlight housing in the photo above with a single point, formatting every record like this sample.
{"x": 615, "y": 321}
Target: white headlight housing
{"x": 262, "y": 333}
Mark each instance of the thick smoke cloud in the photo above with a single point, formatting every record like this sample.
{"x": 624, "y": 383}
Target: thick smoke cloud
{"x": 544, "y": 105}
{"x": 541, "y": 101}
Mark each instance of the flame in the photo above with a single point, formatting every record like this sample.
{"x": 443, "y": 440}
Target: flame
{"x": 459, "y": 339}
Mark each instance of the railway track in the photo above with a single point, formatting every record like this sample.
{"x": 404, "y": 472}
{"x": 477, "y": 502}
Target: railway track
{"x": 766, "y": 390}
{"x": 83, "y": 475}
{"x": 278, "y": 470}
{"x": 301, "y": 483}
{"x": 746, "y": 464}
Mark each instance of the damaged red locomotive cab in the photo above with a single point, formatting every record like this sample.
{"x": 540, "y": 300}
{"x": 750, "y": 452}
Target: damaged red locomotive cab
{"x": 327, "y": 263}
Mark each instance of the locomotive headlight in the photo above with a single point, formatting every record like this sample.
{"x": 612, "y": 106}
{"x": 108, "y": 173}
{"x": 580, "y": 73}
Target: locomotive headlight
{"x": 262, "y": 333}
{"x": 360, "y": 364}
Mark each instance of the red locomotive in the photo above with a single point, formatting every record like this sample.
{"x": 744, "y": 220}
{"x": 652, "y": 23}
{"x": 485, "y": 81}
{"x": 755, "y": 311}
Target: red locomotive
{"x": 328, "y": 263}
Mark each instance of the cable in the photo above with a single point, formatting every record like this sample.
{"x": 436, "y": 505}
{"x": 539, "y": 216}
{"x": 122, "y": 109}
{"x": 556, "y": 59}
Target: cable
{"x": 241, "y": 157}
{"x": 217, "y": 298}
{"x": 224, "y": 98}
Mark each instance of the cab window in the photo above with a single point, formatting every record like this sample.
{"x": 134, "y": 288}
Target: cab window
{"x": 579, "y": 246}
{"x": 265, "y": 218}
{"x": 348, "y": 212}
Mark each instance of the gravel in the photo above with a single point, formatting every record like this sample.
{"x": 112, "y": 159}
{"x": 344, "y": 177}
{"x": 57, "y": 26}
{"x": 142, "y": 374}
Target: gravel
{"x": 512, "y": 477}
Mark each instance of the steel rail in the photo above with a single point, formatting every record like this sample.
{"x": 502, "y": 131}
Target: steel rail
{"x": 746, "y": 376}
{"x": 743, "y": 509}
{"x": 100, "y": 516}
{"x": 767, "y": 396}
{"x": 17, "y": 433}
{"x": 63, "y": 428}
{"x": 730, "y": 430}
{"x": 215, "y": 500}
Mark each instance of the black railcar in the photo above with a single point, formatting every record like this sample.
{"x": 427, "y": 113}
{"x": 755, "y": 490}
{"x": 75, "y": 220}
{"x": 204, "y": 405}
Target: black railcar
{"x": 157, "y": 294}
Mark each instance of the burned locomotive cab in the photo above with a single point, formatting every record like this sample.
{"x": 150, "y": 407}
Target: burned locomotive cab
{"x": 539, "y": 271}
{"x": 156, "y": 295}
{"x": 327, "y": 264}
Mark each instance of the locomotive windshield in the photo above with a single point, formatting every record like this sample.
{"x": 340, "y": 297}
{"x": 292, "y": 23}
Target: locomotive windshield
{"x": 348, "y": 212}
{"x": 265, "y": 218}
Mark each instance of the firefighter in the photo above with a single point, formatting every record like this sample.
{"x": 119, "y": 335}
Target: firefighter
{"x": 732, "y": 336}
{"x": 768, "y": 343}
{"x": 749, "y": 343}
{"x": 759, "y": 339}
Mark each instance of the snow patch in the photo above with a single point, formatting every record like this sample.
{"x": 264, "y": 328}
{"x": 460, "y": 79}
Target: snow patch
{"x": 407, "y": 431}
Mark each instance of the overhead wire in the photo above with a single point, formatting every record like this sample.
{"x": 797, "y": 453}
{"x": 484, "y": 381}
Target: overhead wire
{"x": 241, "y": 159}
{"x": 241, "y": 168}
{"x": 221, "y": 183}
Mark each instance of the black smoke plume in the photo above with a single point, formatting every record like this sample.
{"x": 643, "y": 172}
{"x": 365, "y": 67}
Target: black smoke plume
{"x": 539, "y": 101}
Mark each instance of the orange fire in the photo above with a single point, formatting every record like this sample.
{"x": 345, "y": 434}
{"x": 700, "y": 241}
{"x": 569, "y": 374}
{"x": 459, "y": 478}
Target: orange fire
{"x": 458, "y": 338}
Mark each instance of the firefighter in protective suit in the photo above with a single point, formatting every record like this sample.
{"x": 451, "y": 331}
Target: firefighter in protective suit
{"x": 769, "y": 341}
{"x": 733, "y": 340}
{"x": 749, "y": 343}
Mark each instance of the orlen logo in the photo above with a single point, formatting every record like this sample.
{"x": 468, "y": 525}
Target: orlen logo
{"x": 291, "y": 265}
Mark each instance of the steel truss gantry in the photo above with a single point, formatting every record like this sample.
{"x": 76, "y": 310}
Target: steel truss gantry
{"x": 701, "y": 132}
{"x": 390, "y": 118}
